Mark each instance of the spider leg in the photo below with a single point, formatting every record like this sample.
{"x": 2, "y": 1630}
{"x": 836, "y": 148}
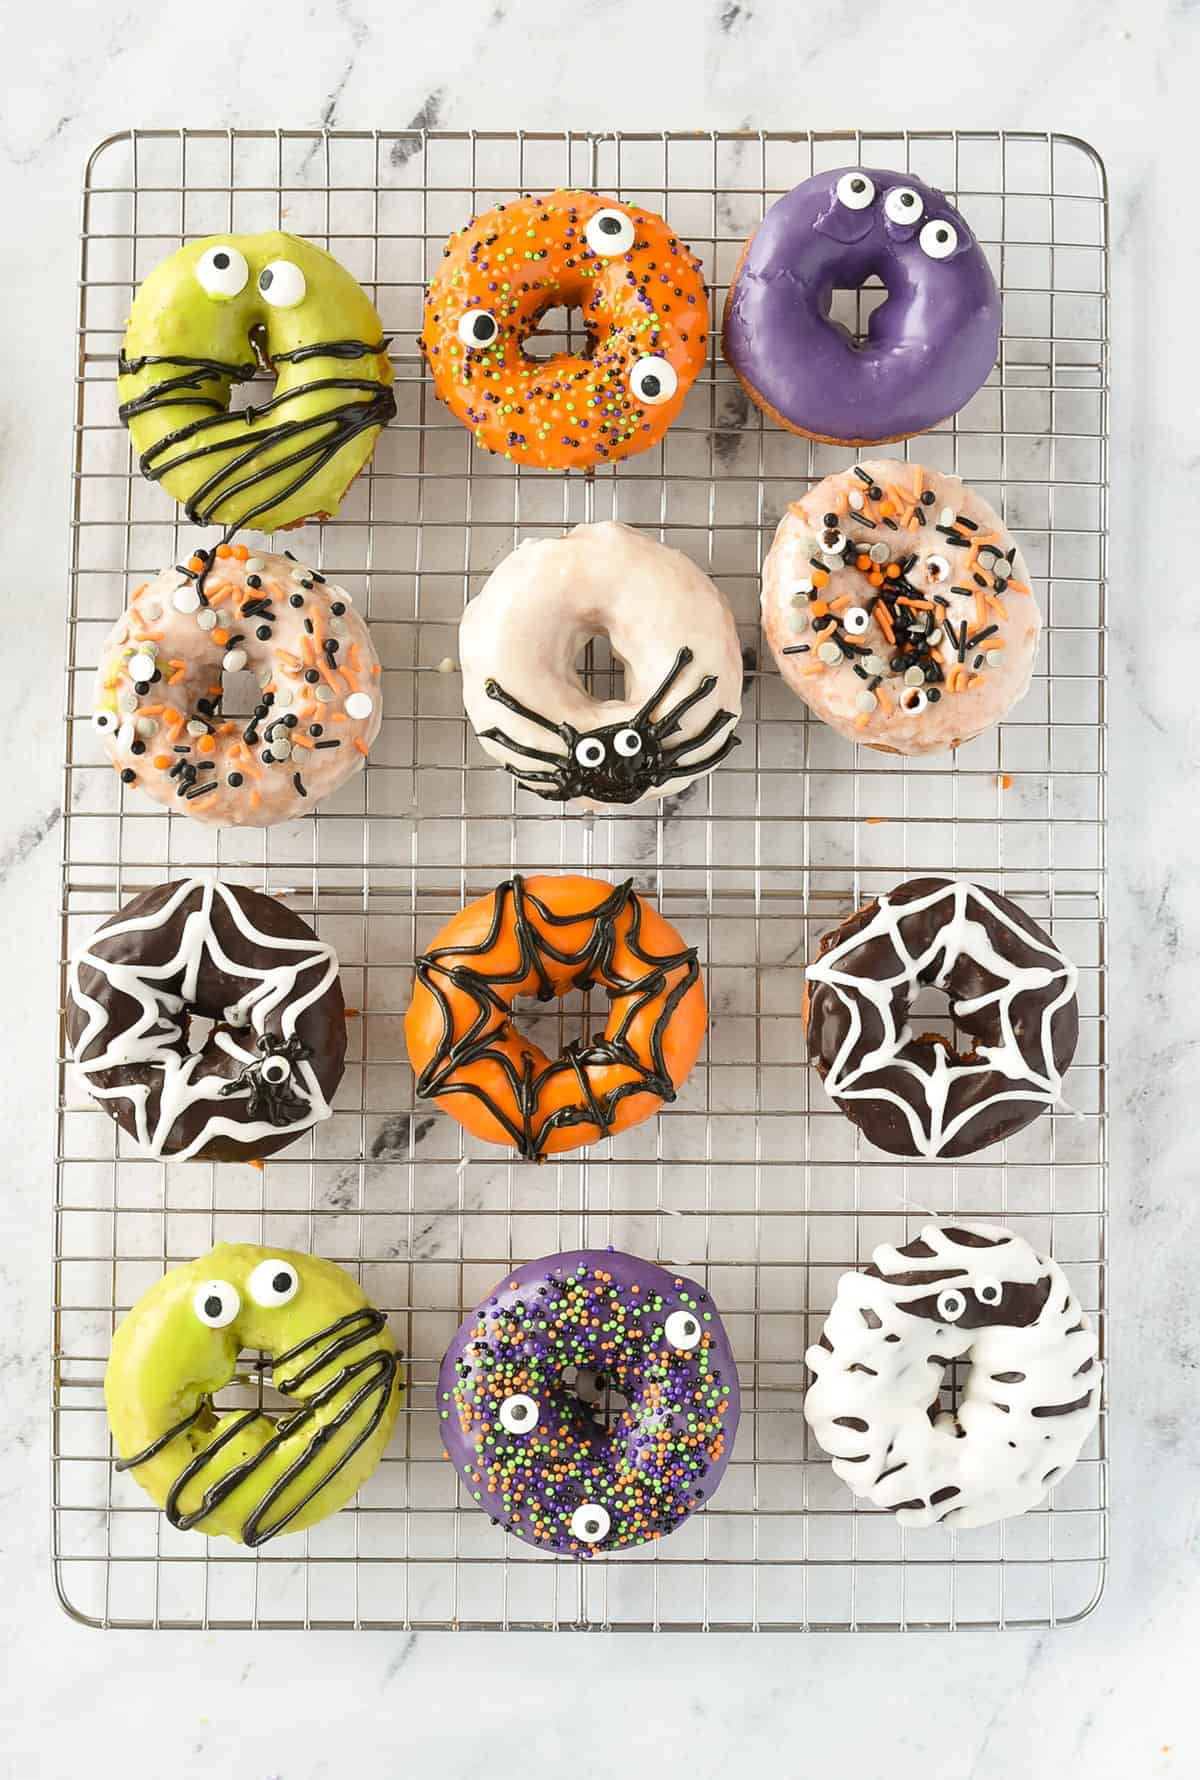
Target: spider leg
{"x": 563, "y": 731}
{"x": 681, "y": 661}
{"x": 670, "y": 721}
{"x": 531, "y": 781}
{"x": 506, "y": 741}
{"x": 673, "y": 757}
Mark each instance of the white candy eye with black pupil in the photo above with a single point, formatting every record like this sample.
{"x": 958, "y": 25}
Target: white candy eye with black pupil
{"x": 477, "y": 327}
{"x": 591, "y": 751}
{"x": 856, "y": 620}
{"x": 683, "y": 1330}
{"x": 216, "y": 1303}
{"x": 653, "y": 381}
{"x": 913, "y": 700}
{"x": 627, "y": 743}
{"x": 519, "y": 1413}
{"x": 989, "y": 1291}
{"x": 282, "y": 284}
{"x": 950, "y": 1305}
{"x": 590, "y": 1523}
{"x": 104, "y": 721}
{"x": 938, "y": 240}
{"x": 937, "y": 568}
{"x": 276, "y": 1070}
{"x": 609, "y": 232}
{"x": 222, "y": 272}
{"x": 855, "y": 191}
{"x": 274, "y": 1283}
{"x": 902, "y": 205}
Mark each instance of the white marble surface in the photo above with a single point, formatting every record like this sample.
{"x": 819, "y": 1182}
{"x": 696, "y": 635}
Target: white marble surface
{"x": 1113, "y": 1698}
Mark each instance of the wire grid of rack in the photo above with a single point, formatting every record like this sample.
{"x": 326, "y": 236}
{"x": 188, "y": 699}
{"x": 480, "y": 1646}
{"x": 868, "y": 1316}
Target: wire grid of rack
{"x": 752, "y": 1180}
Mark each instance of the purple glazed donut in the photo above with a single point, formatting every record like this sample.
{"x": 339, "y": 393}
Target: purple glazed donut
{"x": 536, "y": 1456}
{"x": 929, "y": 346}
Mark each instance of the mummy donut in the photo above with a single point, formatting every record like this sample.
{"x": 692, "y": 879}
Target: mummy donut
{"x": 667, "y": 624}
{"x": 644, "y": 311}
{"x": 165, "y": 666}
{"x": 267, "y": 1069}
{"x": 899, "y": 608}
{"x": 970, "y": 1293}
{"x": 547, "y": 937}
{"x": 929, "y": 346}
{"x": 1010, "y": 991}
{"x": 205, "y": 320}
{"x": 548, "y": 1464}
{"x": 250, "y": 1474}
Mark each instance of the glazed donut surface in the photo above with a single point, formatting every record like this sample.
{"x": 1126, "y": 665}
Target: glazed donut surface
{"x": 665, "y": 621}
{"x": 1031, "y": 1397}
{"x": 642, "y": 302}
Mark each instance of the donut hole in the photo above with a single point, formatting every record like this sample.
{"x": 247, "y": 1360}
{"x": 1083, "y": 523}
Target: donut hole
{"x": 579, "y": 1016}
{"x": 239, "y": 693}
{"x": 199, "y": 1031}
{"x": 600, "y": 669}
{"x": 929, "y": 1015}
{"x": 251, "y": 1387}
{"x": 598, "y": 1393}
{"x": 556, "y": 332}
{"x": 852, "y": 308}
{"x": 954, "y": 1382}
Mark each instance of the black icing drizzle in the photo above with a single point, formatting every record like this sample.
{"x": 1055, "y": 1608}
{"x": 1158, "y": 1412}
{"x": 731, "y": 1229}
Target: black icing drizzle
{"x": 337, "y": 424}
{"x": 378, "y": 1371}
{"x": 594, "y": 964}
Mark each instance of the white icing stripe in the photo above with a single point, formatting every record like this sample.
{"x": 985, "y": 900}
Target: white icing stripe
{"x": 958, "y": 937}
{"x": 875, "y": 1382}
{"x": 150, "y": 1039}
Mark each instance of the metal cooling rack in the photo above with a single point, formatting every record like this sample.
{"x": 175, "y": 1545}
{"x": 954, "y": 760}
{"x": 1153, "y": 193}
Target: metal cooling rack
{"x": 751, "y": 1181}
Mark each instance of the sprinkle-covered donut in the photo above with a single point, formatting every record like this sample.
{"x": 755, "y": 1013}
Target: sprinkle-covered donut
{"x": 643, "y": 306}
{"x": 970, "y": 1293}
{"x": 664, "y": 620}
{"x": 210, "y": 317}
{"x": 548, "y": 1465}
{"x": 267, "y": 1069}
{"x": 251, "y": 1473}
{"x": 899, "y": 608}
{"x": 929, "y": 346}
{"x": 1010, "y": 991}
{"x": 160, "y": 688}
{"x": 545, "y": 937}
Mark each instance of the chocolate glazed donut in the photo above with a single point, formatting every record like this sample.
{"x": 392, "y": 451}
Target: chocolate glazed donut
{"x": 269, "y": 1067}
{"x": 1011, "y": 991}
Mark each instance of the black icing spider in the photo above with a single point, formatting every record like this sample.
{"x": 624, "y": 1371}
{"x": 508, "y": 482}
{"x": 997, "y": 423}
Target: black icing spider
{"x": 269, "y": 1080}
{"x": 621, "y": 762}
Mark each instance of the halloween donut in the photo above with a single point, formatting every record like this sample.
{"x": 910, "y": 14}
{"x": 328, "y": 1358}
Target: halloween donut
{"x": 643, "y": 307}
{"x": 210, "y": 317}
{"x": 544, "y": 1462}
{"x": 1010, "y": 991}
{"x": 268, "y": 1068}
{"x": 160, "y": 689}
{"x": 899, "y": 608}
{"x": 251, "y": 1473}
{"x": 545, "y": 937}
{"x": 971, "y": 1293}
{"x": 664, "y": 620}
{"x": 929, "y": 346}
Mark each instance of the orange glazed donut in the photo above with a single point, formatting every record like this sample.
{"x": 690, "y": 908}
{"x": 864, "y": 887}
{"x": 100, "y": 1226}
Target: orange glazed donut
{"x": 545, "y": 937}
{"x": 644, "y": 309}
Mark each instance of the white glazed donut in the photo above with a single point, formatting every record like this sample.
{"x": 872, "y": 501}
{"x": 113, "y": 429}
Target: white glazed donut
{"x": 1032, "y": 1391}
{"x": 667, "y": 624}
{"x": 159, "y": 689}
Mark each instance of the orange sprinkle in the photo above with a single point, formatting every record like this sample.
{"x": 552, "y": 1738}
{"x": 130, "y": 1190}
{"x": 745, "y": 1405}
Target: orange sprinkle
{"x": 875, "y": 578}
{"x": 223, "y": 550}
{"x": 863, "y": 563}
{"x": 240, "y": 553}
{"x": 218, "y": 595}
{"x": 351, "y": 1013}
{"x": 884, "y": 620}
{"x": 818, "y": 608}
{"x": 820, "y": 577}
{"x": 1004, "y": 780}
{"x": 892, "y": 571}
{"x": 916, "y": 605}
{"x": 255, "y": 1163}
{"x": 205, "y": 745}
{"x": 874, "y": 821}
{"x": 196, "y": 564}
{"x": 220, "y": 638}
{"x": 162, "y": 762}
{"x": 360, "y": 744}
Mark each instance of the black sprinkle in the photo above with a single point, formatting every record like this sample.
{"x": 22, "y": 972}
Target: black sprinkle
{"x": 201, "y": 790}
{"x": 338, "y": 744}
{"x": 298, "y": 782}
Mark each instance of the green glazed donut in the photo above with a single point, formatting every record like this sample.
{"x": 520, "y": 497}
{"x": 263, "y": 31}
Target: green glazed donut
{"x": 243, "y": 1472}
{"x": 207, "y": 318}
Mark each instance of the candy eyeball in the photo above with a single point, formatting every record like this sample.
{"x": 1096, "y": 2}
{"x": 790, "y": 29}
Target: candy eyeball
{"x": 282, "y": 284}
{"x": 609, "y": 232}
{"x": 477, "y": 328}
{"x": 274, "y": 1283}
{"x": 519, "y": 1413}
{"x": 275, "y": 1070}
{"x": 590, "y": 1523}
{"x": 216, "y": 1303}
{"x": 937, "y": 568}
{"x": 653, "y": 381}
{"x": 988, "y": 1290}
{"x": 628, "y": 743}
{"x": 914, "y": 701}
{"x": 903, "y": 205}
{"x": 938, "y": 239}
{"x": 951, "y": 1304}
{"x": 856, "y": 620}
{"x": 222, "y": 272}
{"x": 683, "y": 1330}
{"x": 591, "y": 751}
{"x": 855, "y": 190}
{"x": 105, "y": 722}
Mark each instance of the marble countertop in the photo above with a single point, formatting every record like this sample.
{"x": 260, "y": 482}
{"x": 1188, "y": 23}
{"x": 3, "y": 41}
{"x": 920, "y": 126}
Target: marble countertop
{"x": 1113, "y": 1697}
